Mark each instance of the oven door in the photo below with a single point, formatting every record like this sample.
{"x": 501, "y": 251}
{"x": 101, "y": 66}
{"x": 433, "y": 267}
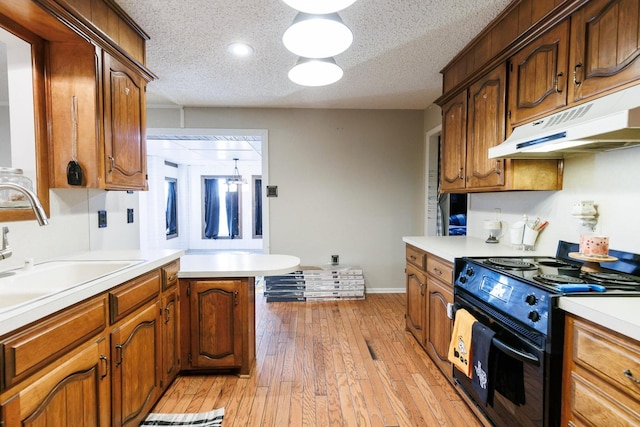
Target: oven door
{"x": 517, "y": 374}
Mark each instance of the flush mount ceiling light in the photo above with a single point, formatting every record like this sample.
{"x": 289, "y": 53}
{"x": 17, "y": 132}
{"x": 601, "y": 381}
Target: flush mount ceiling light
{"x": 315, "y": 72}
{"x": 319, "y": 7}
{"x": 317, "y": 36}
{"x": 240, "y": 49}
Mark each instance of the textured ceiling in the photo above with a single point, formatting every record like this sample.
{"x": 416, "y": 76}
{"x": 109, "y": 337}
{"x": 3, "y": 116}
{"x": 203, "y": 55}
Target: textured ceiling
{"x": 399, "y": 48}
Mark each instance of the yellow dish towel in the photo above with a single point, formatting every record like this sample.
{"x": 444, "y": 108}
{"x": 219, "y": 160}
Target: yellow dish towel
{"x": 460, "y": 345}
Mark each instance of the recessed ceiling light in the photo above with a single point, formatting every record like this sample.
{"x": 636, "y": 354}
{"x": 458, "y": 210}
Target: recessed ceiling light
{"x": 240, "y": 49}
{"x": 319, "y": 7}
{"x": 317, "y": 36}
{"x": 315, "y": 72}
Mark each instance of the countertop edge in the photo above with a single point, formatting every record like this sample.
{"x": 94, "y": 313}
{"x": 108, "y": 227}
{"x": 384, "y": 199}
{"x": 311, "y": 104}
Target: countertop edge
{"x": 600, "y": 310}
{"x": 28, "y": 313}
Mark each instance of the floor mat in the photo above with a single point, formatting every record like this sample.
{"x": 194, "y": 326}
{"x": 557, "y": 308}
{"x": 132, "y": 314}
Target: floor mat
{"x": 202, "y": 419}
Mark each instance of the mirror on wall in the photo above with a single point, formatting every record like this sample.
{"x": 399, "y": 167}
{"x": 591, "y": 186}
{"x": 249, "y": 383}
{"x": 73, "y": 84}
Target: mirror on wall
{"x": 22, "y": 114}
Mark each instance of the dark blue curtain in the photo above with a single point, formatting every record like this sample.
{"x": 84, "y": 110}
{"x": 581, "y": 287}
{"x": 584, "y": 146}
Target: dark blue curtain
{"x": 172, "y": 210}
{"x": 257, "y": 214}
{"x": 211, "y": 209}
{"x": 232, "y": 213}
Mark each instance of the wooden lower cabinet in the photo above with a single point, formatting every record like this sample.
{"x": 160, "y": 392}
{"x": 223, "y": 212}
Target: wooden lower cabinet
{"x": 135, "y": 365}
{"x": 218, "y": 324}
{"x": 73, "y": 391}
{"x": 601, "y": 376}
{"x": 429, "y": 292}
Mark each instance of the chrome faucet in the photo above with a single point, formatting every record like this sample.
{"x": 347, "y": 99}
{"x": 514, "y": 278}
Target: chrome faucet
{"x": 41, "y": 216}
{"x": 6, "y": 250}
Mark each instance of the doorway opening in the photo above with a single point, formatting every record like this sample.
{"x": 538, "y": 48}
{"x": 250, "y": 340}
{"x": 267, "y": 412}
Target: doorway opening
{"x": 197, "y": 156}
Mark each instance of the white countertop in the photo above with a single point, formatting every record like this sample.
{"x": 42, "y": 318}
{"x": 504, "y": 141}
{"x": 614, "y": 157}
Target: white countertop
{"x": 621, "y": 314}
{"x": 450, "y": 247}
{"x": 20, "y": 315}
{"x": 236, "y": 265}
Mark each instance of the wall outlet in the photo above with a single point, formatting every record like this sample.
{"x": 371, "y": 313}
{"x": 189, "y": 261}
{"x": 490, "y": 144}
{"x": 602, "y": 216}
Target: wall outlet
{"x": 102, "y": 219}
{"x": 129, "y": 216}
{"x": 335, "y": 259}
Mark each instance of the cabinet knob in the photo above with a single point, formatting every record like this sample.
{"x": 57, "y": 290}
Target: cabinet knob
{"x": 460, "y": 175}
{"x": 113, "y": 163}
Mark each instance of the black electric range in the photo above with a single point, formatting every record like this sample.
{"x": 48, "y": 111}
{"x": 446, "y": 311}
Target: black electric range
{"x": 517, "y": 297}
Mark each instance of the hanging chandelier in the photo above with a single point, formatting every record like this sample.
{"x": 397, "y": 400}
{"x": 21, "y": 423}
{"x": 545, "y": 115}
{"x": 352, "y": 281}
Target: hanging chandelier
{"x": 236, "y": 178}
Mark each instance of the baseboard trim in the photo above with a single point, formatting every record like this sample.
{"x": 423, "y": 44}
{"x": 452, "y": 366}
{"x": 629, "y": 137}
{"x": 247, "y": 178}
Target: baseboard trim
{"x": 385, "y": 290}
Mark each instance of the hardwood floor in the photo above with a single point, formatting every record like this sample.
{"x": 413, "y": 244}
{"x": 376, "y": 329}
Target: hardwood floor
{"x": 333, "y": 363}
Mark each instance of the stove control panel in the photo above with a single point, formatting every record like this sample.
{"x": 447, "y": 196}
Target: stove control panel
{"x": 513, "y": 296}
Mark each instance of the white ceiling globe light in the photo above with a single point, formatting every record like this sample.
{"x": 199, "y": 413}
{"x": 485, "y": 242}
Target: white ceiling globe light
{"x": 319, "y": 7}
{"x": 317, "y": 36}
{"x": 315, "y": 72}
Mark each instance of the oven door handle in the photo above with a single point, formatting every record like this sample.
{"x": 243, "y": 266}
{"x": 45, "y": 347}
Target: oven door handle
{"x": 515, "y": 353}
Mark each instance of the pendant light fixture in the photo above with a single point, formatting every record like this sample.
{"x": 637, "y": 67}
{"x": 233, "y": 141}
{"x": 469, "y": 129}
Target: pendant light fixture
{"x": 315, "y": 72}
{"x": 319, "y": 7}
{"x": 236, "y": 178}
{"x": 317, "y": 36}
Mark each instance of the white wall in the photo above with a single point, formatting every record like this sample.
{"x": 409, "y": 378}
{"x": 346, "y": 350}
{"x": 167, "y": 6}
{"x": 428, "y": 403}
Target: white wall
{"x": 611, "y": 179}
{"x": 350, "y": 182}
{"x": 73, "y": 226}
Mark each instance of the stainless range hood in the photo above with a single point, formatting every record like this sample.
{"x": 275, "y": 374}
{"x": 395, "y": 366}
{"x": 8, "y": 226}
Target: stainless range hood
{"x": 606, "y": 123}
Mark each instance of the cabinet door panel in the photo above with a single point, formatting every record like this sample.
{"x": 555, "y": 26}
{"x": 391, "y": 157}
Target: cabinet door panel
{"x": 605, "y": 37}
{"x": 124, "y": 129}
{"x": 170, "y": 337}
{"x": 537, "y": 76}
{"x": 485, "y": 129}
{"x": 416, "y": 306}
{"x": 439, "y": 324}
{"x": 216, "y": 339}
{"x": 454, "y": 143}
{"x": 136, "y": 366}
{"x": 75, "y": 393}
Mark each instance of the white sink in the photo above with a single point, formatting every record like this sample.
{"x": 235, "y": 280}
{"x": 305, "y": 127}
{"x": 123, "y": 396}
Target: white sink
{"x": 24, "y": 285}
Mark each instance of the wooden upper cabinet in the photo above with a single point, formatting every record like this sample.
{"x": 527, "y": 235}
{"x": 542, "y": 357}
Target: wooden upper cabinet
{"x": 454, "y": 143}
{"x": 486, "y": 129}
{"x": 605, "y": 47}
{"x": 538, "y": 76}
{"x": 124, "y": 126}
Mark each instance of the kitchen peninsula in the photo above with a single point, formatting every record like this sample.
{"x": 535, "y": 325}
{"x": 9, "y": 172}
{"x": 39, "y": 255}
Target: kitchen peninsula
{"x": 217, "y": 294}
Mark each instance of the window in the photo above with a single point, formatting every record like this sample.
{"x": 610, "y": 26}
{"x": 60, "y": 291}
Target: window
{"x": 221, "y": 208}
{"x": 257, "y": 207}
{"x": 171, "y": 213}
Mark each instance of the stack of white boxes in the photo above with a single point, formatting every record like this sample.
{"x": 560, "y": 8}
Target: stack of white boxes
{"x": 316, "y": 284}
